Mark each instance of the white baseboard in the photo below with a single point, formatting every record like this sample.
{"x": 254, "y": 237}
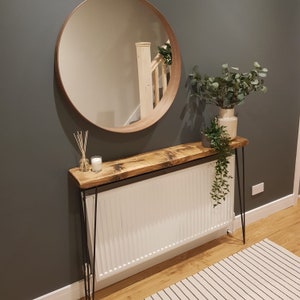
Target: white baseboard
{"x": 76, "y": 290}
{"x": 73, "y": 291}
{"x": 266, "y": 210}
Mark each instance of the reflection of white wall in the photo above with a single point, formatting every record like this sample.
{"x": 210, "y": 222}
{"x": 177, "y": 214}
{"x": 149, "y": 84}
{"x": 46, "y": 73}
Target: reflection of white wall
{"x": 97, "y": 57}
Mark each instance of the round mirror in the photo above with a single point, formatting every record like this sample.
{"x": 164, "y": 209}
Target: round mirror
{"x": 118, "y": 63}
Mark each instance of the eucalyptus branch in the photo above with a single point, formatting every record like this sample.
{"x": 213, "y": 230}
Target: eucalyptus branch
{"x": 229, "y": 89}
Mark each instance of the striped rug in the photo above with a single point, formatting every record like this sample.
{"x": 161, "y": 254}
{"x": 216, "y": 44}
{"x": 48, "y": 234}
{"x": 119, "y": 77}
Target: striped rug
{"x": 262, "y": 271}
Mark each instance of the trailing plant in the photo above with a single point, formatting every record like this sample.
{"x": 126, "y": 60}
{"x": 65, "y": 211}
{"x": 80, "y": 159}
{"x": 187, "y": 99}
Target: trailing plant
{"x": 166, "y": 52}
{"x": 229, "y": 89}
{"x": 219, "y": 141}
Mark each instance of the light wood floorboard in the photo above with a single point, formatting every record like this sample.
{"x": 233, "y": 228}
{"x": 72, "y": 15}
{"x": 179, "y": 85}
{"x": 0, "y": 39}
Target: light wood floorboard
{"x": 282, "y": 228}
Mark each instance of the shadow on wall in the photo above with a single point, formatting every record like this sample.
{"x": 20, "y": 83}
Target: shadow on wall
{"x": 195, "y": 116}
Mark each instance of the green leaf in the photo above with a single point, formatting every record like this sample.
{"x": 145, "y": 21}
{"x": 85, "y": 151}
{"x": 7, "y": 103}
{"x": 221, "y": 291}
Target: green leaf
{"x": 215, "y": 85}
{"x": 264, "y": 89}
{"x": 262, "y": 74}
{"x": 241, "y": 97}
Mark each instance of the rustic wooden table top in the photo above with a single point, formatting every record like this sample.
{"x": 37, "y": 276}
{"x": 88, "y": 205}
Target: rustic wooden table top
{"x": 113, "y": 171}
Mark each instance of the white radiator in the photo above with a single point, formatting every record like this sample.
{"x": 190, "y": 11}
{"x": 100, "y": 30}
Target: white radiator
{"x": 146, "y": 219}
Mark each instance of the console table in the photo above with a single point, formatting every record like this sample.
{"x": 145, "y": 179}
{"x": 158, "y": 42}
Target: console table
{"x": 132, "y": 167}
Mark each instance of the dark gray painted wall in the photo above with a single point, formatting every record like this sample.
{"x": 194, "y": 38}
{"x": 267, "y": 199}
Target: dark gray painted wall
{"x": 39, "y": 214}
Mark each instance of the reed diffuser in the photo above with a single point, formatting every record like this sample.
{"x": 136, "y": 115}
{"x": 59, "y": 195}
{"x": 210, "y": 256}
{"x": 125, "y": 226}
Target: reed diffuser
{"x": 81, "y": 140}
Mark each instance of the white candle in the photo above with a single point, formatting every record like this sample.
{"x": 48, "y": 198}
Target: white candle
{"x": 96, "y": 162}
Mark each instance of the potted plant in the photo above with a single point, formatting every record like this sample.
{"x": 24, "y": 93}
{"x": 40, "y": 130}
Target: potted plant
{"x": 219, "y": 140}
{"x": 226, "y": 91}
{"x": 166, "y": 52}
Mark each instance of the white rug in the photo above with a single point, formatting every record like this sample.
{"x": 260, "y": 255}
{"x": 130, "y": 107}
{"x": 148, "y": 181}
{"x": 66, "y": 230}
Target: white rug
{"x": 262, "y": 271}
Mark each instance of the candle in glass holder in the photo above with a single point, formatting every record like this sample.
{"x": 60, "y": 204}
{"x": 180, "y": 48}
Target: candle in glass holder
{"x": 96, "y": 162}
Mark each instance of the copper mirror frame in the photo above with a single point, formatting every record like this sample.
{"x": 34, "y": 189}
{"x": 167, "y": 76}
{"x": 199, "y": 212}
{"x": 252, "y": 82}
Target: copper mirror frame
{"x": 168, "y": 96}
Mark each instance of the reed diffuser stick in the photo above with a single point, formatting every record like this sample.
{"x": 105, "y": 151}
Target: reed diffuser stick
{"x": 81, "y": 140}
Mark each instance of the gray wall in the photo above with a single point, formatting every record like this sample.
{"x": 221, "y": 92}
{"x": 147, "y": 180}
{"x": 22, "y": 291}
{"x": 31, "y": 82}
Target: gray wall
{"x": 39, "y": 213}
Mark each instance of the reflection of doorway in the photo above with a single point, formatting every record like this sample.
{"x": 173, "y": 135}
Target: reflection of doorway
{"x": 297, "y": 166}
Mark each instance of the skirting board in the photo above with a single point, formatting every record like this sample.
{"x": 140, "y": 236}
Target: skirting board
{"x": 266, "y": 210}
{"x": 76, "y": 290}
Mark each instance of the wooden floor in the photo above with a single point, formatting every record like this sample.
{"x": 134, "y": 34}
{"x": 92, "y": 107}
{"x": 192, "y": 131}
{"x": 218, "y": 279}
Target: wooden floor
{"x": 282, "y": 228}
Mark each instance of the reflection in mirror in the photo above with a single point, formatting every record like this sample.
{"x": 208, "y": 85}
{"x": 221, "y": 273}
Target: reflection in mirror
{"x": 104, "y": 58}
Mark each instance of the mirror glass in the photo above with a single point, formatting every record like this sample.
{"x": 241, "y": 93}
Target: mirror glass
{"x": 97, "y": 64}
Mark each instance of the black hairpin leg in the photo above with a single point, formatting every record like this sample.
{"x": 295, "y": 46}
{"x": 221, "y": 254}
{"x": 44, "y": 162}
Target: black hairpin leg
{"x": 94, "y": 240}
{"x": 241, "y": 190}
{"x": 85, "y": 251}
{"x": 88, "y": 267}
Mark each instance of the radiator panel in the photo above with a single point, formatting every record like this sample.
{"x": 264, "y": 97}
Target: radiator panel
{"x": 139, "y": 221}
